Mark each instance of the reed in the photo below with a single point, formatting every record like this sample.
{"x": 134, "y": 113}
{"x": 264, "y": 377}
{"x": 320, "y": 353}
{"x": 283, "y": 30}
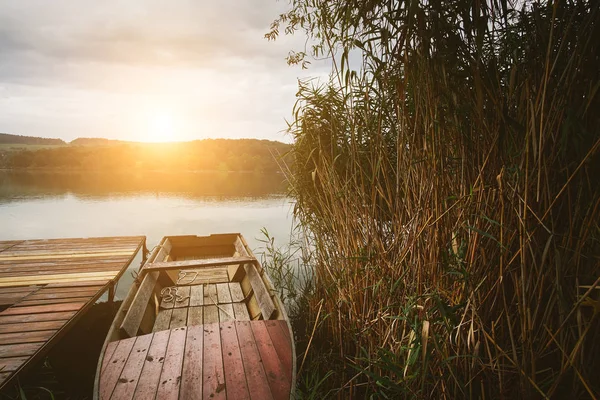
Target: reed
{"x": 447, "y": 184}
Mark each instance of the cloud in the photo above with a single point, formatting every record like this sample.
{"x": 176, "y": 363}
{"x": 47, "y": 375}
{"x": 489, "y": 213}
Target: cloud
{"x": 90, "y": 68}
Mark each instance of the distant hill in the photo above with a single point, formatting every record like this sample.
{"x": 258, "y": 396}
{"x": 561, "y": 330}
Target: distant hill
{"x": 7, "y": 138}
{"x": 95, "y": 142}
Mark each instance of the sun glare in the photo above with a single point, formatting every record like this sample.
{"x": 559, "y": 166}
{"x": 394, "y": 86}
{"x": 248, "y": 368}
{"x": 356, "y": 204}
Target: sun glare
{"x": 161, "y": 128}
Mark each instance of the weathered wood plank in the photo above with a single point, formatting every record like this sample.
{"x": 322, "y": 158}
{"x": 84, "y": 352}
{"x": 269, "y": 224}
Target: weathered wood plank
{"x": 256, "y": 377}
{"x": 58, "y": 278}
{"x": 77, "y": 284}
{"x": 211, "y": 314}
{"x": 261, "y": 293}
{"x": 212, "y": 370}
{"x": 235, "y": 376}
{"x": 208, "y": 262}
{"x": 31, "y": 326}
{"x": 149, "y": 379}
{"x": 19, "y": 319}
{"x": 26, "y": 337}
{"x": 18, "y": 350}
{"x": 223, "y": 295}
{"x": 163, "y": 319}
{"x": 43, "y": 309}
{"x": 194, "y": 316}
{"x": 226, "y": 312}
{"x": 51, "y": 291}
{"x": 196, "y": 295}
{"x": 25, "y": 303}
{"x": 110, "y": 375}
{"x": 178, "y": 318}
{"x": 278, "y": 379}
{"x": 191, "y": 376}
{"x": 236, "y": 292}
{"x": 240, "y": 312}
{"x": 183, "y": 296}
{"x": 279, "y": 333}
{"x": 170, "y": 376}
{"x": 130, "y": 375}
{"x": 108, "y": 353}
{"x": 210, "y": 294}
{"x": 133, "y": 318}
{"x": 54, "y": 256}
{"x": 12, "y": 364}
{"x": 18, "y": 289}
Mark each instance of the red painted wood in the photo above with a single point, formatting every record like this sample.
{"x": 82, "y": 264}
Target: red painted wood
{"x": 31, "y": 326}
{"x": 256, "y": 377}
{"x": 25, "y": 337}
{"x": 149, "y": 379}
{"x": 110, "y": 375}
{"x": 110, "y": 350}
{"x": 279, "y": 333}
{"x": 191, "y": 378}
{"x": 18, "y": 319}
{"x": 278, "y": 379}
{"x": 133, "y": 367}
{"x": 170, "y": 378}
{"x": 43, "y": 309}
{"x": 212, "y": 370}
{"x": 12, "y": 364}
{"x": 235, "y": 376}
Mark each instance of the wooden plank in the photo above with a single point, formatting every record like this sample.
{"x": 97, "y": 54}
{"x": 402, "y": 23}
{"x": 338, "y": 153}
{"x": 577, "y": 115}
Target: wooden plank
{"x": 149, "y": 379}
{"x": 178, "y": 318}
{"x": 279, "y": 333}
{"x": 196, "y": 295}
{"x": 77, "y": 284}
{"x": 64, "y": 294}
{"x": 212, "y": 369}
{"x": 223, "y": 295}
{"x": 135, "y": 313}
{"x": 208, "y": 262}
{"x": 48, "y": 291}
{"x": 261, "y": 293}
{"x": 226, "y": 312}
{"x": 279, "y": 381}
{"x": 108, "y": 353}
{"x": 19, "y": 289}
{"x": 211, "y": 314}
{"x": 110, "y": 375}
{"x": 236, "y": 292}
{"x": 55, "y": 256}
{"x": 170, "y": 376}
{"x": 240, "y": 312}
{"x": 182, "y": 299}
{"x": 59, "y": 278}
{"x": 43, "y": 309}
{"x": 194, "y": 316}
{"x": 191, "y": 376}
{"x": 12, "y": 298}
{"x": 256, "y": 377}
{"x": 12, "y": 364}
{"x": 133, "y": 367}
{"x": 19, "y": 319}
{"x": 26, "y": 337}
{"x": 235, "y": 376}
{"x": 210, "y": 294}
{"x": 17, "y": 350}
{"x": 32, "y": 326}
{"x": 25, "y": 303}
{"x": 163, "y": 319}
{"x": 4, "y": 377}
{"x": 51, "y": 271}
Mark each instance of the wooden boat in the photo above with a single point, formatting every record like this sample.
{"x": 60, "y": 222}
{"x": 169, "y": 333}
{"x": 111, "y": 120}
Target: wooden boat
{"x": 201, "y": 321}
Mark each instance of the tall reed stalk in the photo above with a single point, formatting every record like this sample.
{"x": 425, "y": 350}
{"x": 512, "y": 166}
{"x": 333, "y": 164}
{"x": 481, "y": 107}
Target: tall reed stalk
{"x": 448, "y": 182}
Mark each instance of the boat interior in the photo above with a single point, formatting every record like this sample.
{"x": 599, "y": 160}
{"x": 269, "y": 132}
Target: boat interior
{"x": 195, "y": 280}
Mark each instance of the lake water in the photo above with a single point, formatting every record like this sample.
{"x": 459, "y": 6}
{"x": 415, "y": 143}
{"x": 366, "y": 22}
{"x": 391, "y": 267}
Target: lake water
{"x": 43, "y": 205}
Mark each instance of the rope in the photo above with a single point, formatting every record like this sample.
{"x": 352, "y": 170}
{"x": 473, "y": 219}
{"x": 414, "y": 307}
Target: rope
{"x": 169, "y": 294}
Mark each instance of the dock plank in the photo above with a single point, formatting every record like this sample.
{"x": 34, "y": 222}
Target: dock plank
{"x": 110, "y": 375}
{"x": 12, "y": 364}
{"x": 31, "y": 326}
{"x": 233, "y": 366}
{"x": 26, "y": 337}
{"x": 62, "y": 316}
{"x": 21, "y": 349}
{"x": 51, "y": 308}
{"x": 212, "y": 369}
{"x": 256, "y": 377}
{"x": 163, "y": 319}
{"x": 170, "y": 376}
{"x": 149, "y": 378}
{"x": 191, "y": 375}
{"x": 130, "y": 375}
{"x": 276, "y": 374}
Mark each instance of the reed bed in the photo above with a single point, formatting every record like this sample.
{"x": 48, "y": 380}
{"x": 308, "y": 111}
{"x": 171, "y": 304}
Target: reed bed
{"x": 448, "y": 187}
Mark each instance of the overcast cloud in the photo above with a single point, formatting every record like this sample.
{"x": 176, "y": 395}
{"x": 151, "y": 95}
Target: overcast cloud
{"x": 73, "y": 69}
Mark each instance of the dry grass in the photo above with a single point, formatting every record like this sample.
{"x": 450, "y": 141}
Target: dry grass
{"x": 449, "y": 191}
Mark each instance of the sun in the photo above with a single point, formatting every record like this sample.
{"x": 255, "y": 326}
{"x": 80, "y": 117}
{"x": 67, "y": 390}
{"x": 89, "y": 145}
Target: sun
{"x": 161, "y": 128}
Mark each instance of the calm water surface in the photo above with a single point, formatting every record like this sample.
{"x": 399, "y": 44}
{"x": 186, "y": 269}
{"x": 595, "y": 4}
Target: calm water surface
{"x": 42, "y": 205}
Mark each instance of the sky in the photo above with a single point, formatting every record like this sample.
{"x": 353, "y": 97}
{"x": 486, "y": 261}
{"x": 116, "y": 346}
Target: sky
{"x": 146, "y": 70}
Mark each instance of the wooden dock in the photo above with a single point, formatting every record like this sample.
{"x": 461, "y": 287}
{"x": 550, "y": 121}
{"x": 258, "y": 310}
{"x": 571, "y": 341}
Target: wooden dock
{"x": 46, "y": 285}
